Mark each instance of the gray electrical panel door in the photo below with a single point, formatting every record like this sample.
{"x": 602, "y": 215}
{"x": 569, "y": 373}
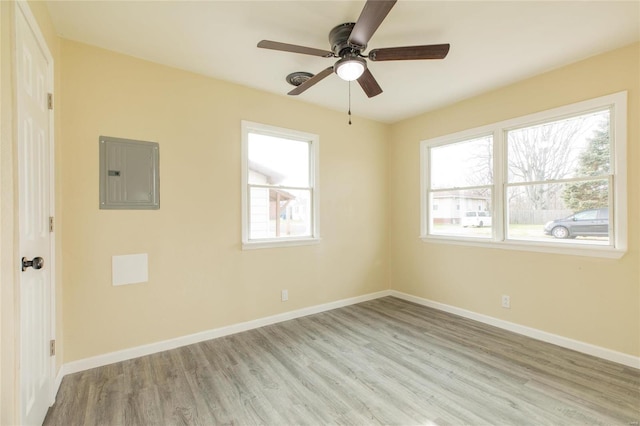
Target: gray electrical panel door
{"x": 129, "y": 174}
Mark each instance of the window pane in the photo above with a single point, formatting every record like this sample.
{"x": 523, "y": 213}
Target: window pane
{"x": 575, "y": 212}
{"x": 462, "y": 213}
{"x": 279, "y": 212}
{"x": 468, "y": 163}
{"x": 278, "y": 161}
{"x": 563, "y": 149}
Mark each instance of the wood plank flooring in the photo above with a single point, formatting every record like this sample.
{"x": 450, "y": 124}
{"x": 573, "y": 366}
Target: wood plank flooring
{"x": 385, "y": 361}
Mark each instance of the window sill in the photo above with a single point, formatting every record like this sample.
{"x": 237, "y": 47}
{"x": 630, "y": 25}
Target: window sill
{"x": 276, "y": 243}
{"x": 606, "y": 252}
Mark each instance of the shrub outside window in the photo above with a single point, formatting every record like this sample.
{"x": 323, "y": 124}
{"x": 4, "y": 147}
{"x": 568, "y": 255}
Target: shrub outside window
{"x": 553, "y": 181}
{"x": 279, "y": 181}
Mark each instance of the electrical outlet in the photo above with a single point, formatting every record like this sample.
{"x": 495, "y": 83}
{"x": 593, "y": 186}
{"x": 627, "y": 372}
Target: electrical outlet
{"x": 506, "y": 301}
{"x": 285, "y": 295}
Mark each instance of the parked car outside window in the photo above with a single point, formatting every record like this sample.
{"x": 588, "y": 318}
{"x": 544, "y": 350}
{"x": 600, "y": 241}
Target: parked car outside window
{"x": 586, "y": 223}
{"x": 476, "y": 218}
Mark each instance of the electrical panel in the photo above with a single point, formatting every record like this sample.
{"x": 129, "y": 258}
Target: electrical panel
{"x": 129, "y": 174}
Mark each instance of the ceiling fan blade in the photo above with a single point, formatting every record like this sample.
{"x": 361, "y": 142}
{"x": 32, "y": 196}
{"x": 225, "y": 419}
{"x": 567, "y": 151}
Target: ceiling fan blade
{"x": 369, "y": 84}
{"x": 313, "y": 80}
{"x": 371, "y": 17}
{"x": 433, "y": 51}
{"x": 285, "y": 47}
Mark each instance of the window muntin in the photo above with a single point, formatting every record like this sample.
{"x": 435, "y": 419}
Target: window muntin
{"x": 280, "y": 193}
{"x": 595, "y": 146}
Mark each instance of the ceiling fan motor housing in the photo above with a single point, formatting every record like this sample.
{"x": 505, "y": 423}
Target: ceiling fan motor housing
{"x": 338, "y": 38}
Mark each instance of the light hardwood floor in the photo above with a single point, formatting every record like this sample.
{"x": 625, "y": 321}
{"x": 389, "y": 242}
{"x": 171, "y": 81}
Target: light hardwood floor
{"x": 385, "y": 361}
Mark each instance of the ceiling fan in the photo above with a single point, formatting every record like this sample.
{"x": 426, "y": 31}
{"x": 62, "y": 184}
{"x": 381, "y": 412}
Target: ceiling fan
{"x": 349, "y": 40}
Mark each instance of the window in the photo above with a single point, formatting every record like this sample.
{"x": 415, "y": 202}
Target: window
{"x": 553, "y": 181}
{"x": 279, "y": 181}
{"x": 460, "y": 175}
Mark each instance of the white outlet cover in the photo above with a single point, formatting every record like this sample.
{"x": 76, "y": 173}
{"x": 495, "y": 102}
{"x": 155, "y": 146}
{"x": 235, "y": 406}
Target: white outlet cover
{"x": 506, "y": 301}
{"x": 129, "y": 269}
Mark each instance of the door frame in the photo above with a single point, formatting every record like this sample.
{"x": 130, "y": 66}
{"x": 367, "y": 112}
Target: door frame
{"x": 24, "y": 9}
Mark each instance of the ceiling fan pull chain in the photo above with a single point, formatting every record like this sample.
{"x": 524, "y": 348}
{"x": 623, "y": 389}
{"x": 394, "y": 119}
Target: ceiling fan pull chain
{"x": 349, "y": 103}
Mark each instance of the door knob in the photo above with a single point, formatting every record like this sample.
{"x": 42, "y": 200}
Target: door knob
{"x": 36, "y": 263}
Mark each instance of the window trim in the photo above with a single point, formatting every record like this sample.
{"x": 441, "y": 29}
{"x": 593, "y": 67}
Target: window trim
{"x": 314, "y": 178}
{"x": 617, "y": 102}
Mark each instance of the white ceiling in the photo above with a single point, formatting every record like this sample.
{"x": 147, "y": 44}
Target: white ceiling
{"x": 492, "y": 43}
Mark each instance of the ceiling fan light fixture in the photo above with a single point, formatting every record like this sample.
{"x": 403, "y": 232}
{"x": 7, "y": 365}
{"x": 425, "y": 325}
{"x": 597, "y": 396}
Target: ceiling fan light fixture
{"x": 350, "y": 68}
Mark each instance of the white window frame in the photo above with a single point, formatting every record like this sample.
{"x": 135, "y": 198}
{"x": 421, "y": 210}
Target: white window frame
{"x": 617, "y": 103}
{"x": 314, "y": 179}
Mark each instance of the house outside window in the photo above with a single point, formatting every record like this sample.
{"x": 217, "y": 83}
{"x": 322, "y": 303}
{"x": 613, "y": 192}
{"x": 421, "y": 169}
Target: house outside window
{"x": 279, "y": 182}
{"x": 553, "y": 181}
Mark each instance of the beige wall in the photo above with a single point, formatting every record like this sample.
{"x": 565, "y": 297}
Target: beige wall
{"x": 591, "y": 300}
{"x": 199, "y": 278}
{"x": 9, "y": 299}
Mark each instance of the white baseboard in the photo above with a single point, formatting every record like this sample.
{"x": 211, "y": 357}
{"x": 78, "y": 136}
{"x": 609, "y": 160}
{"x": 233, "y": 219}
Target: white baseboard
{"x": 138, "y": 351}
{"x": 565, "y": 342}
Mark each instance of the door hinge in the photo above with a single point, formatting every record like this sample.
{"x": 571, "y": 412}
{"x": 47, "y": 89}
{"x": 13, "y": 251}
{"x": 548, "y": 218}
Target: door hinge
{"x": 50, "y": 223}
{"x": 50, "y": 100}
{"x": 52, "y": 348}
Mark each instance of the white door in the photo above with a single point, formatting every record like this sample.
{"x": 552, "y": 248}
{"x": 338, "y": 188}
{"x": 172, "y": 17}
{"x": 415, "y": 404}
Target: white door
{"x": 32, "y": 81}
